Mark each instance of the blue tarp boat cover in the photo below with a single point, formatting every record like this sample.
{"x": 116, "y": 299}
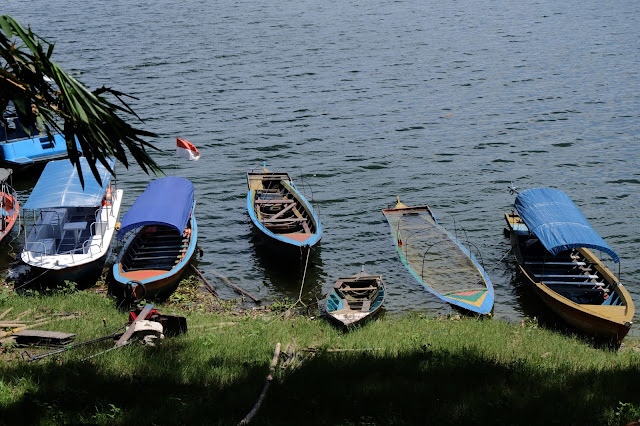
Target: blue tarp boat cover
{"x": 166, "y": 201}
{"x": 59, "y": 185}
{"x": 551, "y": 216}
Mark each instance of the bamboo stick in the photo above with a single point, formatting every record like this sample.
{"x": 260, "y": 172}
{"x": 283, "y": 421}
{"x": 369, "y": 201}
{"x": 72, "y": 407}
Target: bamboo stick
{"x": 5, "y": 313}
{"x": 206, "y": 282}
{"x": 272, "y": 369}
{"x": 235, "y": 287}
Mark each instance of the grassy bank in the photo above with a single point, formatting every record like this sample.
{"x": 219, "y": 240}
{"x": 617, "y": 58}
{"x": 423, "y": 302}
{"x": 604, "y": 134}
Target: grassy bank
{"x": 397, "y": 370}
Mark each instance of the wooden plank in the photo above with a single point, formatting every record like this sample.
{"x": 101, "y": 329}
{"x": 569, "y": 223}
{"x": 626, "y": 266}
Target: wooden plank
{"x": 127, "y": 334}
{"x": 4, "y": 314}
{"x": 275, "y": 201}
{"x": 42, "y": 337}
{"x": 585, "y": 277}
{"x": 12, "y": 324}
{"x": 283, "y": 220}
{"x": 574, "y": 283}
{"x": 281, "y": 212}
{"x": 557, "y": 263}
{"x": 358, "y": 288}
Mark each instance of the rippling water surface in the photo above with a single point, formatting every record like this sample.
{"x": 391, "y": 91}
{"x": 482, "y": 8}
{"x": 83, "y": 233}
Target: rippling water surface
{"x": 441, "y": 103}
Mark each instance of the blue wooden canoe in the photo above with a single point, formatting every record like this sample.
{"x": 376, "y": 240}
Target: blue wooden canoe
{"x": 354, "y": 299}
{"x": 438, "y": 261}
{"x": 280, "y": 212}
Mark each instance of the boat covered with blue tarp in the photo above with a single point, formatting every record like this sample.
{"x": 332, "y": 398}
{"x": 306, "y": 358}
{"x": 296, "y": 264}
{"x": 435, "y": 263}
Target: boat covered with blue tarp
{"x": 59, "y": 185}
{"x": 556, "y": 221}
{"x": 552, "y": 241}
{"x": 160, "y": 234}
{"x": 166, "y": 201}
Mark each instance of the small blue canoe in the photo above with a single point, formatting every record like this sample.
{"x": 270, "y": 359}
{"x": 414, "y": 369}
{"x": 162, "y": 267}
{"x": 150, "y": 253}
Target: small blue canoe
{"x": 354, "y": 299}
{"x": 280, "y": 212}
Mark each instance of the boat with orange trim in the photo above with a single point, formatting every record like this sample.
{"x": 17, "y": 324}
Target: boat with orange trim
{"x": 438, "y": 261}
{"x": 160, "y": 234}
{"x": 9, "y": 205}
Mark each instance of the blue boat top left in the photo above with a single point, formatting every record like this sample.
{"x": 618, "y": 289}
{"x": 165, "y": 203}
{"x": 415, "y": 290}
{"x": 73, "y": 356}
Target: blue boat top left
{"x": 20, "y": 147}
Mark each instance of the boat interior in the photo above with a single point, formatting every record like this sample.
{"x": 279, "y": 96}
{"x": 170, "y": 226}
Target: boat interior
{"x": 64, "y": 230}
{"x": 278, "y": 210}
{"x": 155, "y": 248}
{"x": 360, "y": 294}
{"x": 569, "y": 274}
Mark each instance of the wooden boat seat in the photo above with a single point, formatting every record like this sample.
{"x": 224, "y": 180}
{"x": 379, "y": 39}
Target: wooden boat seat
{"x": 584, "y": 276}
{"x": 366, "y": 305}
{"x": 358, "y": 288}
{"x": 275, "y": 201}
{"x": 281, "y": 221}
{"x": 572, "y": 283}
{"x": 557, "y": 263}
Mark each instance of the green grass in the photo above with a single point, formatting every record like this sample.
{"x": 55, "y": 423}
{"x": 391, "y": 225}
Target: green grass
{"x": 398, "y": 370}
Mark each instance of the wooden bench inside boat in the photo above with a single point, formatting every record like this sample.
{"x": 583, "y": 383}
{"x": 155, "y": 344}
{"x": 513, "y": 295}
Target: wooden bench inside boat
{"x": 284, "y": 220}
{"x": 358, "y": 288}
{"x": 573, "y": 283}
{"x": 557, "y": 263}
{"x": 583, "y": 276}
{"x": 275, "y": 201}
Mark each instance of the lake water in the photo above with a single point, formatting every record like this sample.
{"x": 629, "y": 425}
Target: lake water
{"x": 440, "y": 103}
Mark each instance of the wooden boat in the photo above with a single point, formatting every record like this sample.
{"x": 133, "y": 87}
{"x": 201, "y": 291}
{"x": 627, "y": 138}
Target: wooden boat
{"x": 355, "y": 299}
{"x": 9, "y": 205}
{"x": 160, "y": 234}
{"x": 438, "y": 261}
{"x": 551, "y": 241}
{"x": 280, "y": 212}
{"x": 70, "y": 235}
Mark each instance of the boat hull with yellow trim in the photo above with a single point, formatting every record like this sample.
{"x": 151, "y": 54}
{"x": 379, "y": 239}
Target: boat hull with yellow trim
{"x": 438, "y": 261}
{"x": 568, "y": 277}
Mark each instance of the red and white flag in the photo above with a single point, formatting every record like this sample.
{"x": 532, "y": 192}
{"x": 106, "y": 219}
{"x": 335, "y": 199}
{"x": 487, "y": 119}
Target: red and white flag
{"x": 187, "y": 150}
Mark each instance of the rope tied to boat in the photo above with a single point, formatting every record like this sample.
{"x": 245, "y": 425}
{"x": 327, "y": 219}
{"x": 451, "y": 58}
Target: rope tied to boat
{"x": 304, "y": 275}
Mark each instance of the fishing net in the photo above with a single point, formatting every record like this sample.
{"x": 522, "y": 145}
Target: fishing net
{"x": 432, "y": 255}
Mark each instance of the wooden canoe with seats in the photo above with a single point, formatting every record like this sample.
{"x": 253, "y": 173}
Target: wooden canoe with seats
{"x": 354, "y": 299}
{"x": 280, "y": 212}
{"x": 552, "y": 242}
{"x": 160, "y": 235}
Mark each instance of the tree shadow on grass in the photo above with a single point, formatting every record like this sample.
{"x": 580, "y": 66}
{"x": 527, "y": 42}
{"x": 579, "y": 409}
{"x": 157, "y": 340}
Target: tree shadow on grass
{"x": 348, "y": 388}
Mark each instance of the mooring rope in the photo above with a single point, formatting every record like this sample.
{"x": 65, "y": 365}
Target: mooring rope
{"x": 30, "y": 281}
{"x": 304, "y": 275}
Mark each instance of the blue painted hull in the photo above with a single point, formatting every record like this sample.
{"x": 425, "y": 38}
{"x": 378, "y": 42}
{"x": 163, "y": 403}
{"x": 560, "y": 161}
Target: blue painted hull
{"x": 162, "y": 285}
{"x": 33, "y": 151}
{"x": 286, "y": 241}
